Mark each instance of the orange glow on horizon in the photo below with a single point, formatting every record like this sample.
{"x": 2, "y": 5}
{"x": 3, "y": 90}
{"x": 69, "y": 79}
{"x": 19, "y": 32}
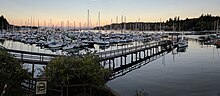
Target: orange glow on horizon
{"x": 65, "y": 23}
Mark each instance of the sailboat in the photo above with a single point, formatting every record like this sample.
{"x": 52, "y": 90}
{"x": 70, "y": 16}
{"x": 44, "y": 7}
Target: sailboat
{"x": 181, "y": 49}
{"x": 183, "y": 41}
{"x": 217, "y": 42}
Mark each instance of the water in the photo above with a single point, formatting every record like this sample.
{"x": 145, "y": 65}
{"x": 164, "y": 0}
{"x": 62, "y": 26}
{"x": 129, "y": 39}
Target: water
{"x": 191, "y": 73}
{"x": 33, "y": 48}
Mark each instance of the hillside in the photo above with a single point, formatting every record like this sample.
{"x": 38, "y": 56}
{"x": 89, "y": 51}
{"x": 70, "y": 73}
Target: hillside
{"x": 4, "y": 23}
{"x": 202, "y": 23}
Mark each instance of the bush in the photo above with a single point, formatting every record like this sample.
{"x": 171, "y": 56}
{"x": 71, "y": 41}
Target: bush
{"x": 70, "y": 70}
{"x": 11, "y": 74}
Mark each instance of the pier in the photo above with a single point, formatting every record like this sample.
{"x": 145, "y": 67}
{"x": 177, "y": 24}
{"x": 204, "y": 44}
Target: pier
{"x": 148, "y": 49}
{"x": 119, "y": 61}
{"x": 129, "y": 57}
{"x": 115, "y": 60}
{"x": 135, "y": 53}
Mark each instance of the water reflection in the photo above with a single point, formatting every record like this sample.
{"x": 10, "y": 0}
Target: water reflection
{"x": 182, "y": 49}
{"x": 194, "y": 72}
{"x": 138, "y": 64}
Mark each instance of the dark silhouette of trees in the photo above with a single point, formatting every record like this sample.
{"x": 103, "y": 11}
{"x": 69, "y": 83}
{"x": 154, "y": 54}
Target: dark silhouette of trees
{"x": 4, "y": 23}
{"x": 70, "y": 70}
{"x": 11, "y": 74}
{"x": 203, "y": 23}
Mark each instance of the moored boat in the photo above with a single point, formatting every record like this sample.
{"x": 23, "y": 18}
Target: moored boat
{"x": 182, "y": 43}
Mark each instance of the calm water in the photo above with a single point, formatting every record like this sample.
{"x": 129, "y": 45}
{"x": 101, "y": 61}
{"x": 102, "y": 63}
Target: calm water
{"x": 195, "y": 72}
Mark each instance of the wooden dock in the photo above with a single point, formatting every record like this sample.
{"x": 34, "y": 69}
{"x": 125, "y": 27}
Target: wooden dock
{"x": 43, "y": 58}
{"x": 115, "y": 60}
{"x": 32, "y": 57}
{"x": 119, "y": 61}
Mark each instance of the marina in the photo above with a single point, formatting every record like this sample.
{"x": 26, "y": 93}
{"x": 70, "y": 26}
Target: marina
{"x": 109, "y": 48}
{"x": 124, "y": 60}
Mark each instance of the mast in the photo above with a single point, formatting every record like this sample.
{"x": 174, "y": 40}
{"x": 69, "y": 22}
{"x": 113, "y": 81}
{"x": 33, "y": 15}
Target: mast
{"x": 160, "y": 30}
{"x": 33, "y": 22}
{"x": 111, "y": 24}
{"x": 2, "y": 26}
{"x": 38, "y": 25}
{"x": 179, "y": 23}
{"x": 139, "y": 19}
{"x": 80, "y": 26}
{"x": 88, "y": 21}
{"x": 68, "y": 25}
{"x": 136, "y": 26}
{"x": 117, "y": 22}
{"x": 217, "y": 26}
{"x": 99, "y": 21}
{"x": 124, "y": 24}
{"x": 160, "y": 24}
{"x": 21, "y": 23}
{"x": 214, "y": 26}
{"x": 25, "y": 25}
{"x": 50, "y": 24}
{"x": 44, "y": 24}
{"x": 74, "y": 25}
{"x": 28, "y": 25}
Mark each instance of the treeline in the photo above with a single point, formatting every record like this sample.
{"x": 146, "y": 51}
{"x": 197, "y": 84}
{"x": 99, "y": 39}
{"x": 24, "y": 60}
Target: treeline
{"x": 204, "y": 22}
{"x": 4, "y": 24}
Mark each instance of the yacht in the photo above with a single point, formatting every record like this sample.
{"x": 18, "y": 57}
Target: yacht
{"x": 55, "y": 45}
{"x": 182, "y": 43}
{"x": 71, "y": 46}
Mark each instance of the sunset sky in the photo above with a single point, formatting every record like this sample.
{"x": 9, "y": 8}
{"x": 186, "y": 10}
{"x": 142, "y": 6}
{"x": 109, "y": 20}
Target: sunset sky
{"x": 21, "y": 11}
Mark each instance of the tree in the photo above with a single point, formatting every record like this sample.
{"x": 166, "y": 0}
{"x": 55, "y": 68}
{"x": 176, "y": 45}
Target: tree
{"x": 11, "y": 74}
{"x": 70, "y": 70}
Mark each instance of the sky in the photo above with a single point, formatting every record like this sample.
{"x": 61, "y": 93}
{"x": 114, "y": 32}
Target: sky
{"x": 53, "y": 12}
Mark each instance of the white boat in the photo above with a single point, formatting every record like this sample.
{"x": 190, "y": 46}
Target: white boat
{"x": 99, "y": 41}
{"x": 70, "y": 46}
{"x": 114, "y": 40}
{"x": 30, "y": 41}
{"x": 55, "y": 44}
{"x": 83, "y": 44}
{"x": 182, "y": 43}
{"x": 41, "y": 43}
{"x": 181, "y": 49}
{"x": 125, "y": 40}
{"x": 2, "y": 37}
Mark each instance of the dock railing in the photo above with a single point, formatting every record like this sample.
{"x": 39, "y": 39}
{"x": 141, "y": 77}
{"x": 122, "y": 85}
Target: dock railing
{"x": 112, "y": 53}
{"x": 31, "y": 57}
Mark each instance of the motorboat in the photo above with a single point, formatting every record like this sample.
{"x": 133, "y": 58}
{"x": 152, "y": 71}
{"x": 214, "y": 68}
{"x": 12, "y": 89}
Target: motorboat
{"x": 71, "y": 46}
{"x": 181, "y": 49}
{"x": 182, "y": 43}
